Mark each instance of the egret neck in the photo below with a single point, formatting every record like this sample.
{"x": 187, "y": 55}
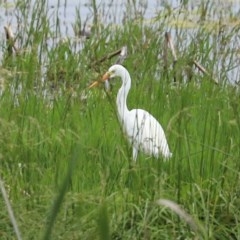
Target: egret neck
{"x": 122, "y": 96}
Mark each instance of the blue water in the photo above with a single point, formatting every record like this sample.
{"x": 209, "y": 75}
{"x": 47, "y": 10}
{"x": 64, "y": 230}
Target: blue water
{"x": 110, "y": 11}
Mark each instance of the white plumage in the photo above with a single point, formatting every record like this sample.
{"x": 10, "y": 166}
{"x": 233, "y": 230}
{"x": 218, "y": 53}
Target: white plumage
{"x": 143, "y": 131}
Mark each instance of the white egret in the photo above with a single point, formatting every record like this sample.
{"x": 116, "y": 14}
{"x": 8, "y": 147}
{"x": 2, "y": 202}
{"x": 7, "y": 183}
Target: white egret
{"x": 143, "y": 131}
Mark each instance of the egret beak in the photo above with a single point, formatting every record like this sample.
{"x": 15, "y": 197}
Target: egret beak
{"x": 94, "y": 84}
{"x": 105, "y": 77}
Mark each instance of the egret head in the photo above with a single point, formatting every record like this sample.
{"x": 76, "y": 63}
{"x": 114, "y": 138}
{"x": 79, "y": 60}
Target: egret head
{"x": 114, "y": 71}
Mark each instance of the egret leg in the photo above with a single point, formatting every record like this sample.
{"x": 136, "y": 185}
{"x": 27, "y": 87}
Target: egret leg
{"x": 135, "y": 153}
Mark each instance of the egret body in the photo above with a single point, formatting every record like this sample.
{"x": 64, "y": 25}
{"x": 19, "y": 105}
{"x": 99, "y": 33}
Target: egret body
{"x": 144, "y": 132}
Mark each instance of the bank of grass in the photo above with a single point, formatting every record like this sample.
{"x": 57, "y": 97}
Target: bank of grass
{"x": 65, "y": 162}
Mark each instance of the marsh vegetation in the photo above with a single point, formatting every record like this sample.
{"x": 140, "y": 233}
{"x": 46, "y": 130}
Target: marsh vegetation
{"x": 63, "y": 157}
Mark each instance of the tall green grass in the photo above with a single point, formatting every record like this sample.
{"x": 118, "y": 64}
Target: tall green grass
{"x": 65, "y": 163}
